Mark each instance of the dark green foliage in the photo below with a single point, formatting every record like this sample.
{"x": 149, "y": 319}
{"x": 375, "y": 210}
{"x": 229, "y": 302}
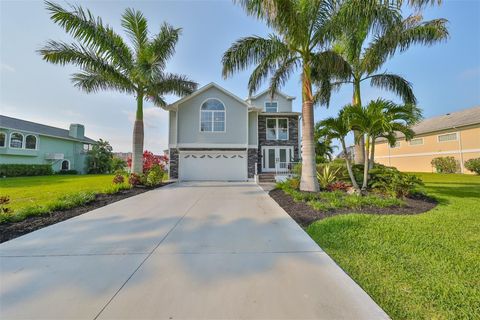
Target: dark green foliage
{"x": 323, "y": 144}
{"x": 67, "y": 172}
{"x": 391, "y": 182}
{"x": 19, "y": 170}
{"x": 99, "y": 159}
{"x": 473, "y": 165}
{"x": 445, "y": 164}
{"x": 118, "y": 164}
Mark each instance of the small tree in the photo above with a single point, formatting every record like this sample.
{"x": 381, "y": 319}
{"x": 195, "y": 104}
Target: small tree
{"x": 99, "y": 159}
{"x": 150, "y": 160}
{"x": 445, "y": 164}
{"x": 323, "y": 144}
{"x": 118, "y": 164}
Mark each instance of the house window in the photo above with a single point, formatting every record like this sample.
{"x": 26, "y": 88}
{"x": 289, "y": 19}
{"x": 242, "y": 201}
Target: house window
{"x": 416, "y": 142}
{"x": 271, "y": 107}
{"x": 212, "y": 116}
{"x": 277, "y": 129}
{"x": 65, "y": 165}
{"x": 31, "y": 142}
{"x": 447, "y": 137}
{"x": 16, "y": 140}
{"x": 2, "y": 139}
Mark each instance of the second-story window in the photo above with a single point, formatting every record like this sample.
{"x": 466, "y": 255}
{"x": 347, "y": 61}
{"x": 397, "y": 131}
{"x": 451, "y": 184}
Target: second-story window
{"x": 277, "y": 129}
{"x": 16, "y": 140}
{"x": 271, "y": 107}
{"x": 212, "y": 116}
{"x": 31, "y": 142}
{"x": 3, "y": 138}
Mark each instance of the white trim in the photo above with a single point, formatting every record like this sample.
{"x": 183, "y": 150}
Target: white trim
{"x": 213, "y": 121}
{"x": 210, "y": 145}
{"x": 36, "y": 142}
{"x": 52, "y": 136}
{"x": 286, "y": 96}
{"x": 427, "y": 153}
{"x": 414, "y": 145}
{"x": 252, "y": 146}
{"x": 5, "y": 141}
{"x": 265, "y": 159}
{"x": 277, "y": 129}
{"x": 265, "y": 106}
{"x": 446, "y": 134}
{"x": 10, "y": 141}
{"x": 61, "y": 164}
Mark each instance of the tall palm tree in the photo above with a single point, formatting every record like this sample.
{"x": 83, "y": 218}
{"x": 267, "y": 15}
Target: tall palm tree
{"x": 108, "y": 63}
{"x": 300, "y": 42}
{"x": 381, "y": 21}
{"x": 338, "y": 128}
{"x": 381, "y": 118}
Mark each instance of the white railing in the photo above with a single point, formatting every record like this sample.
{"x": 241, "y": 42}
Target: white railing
{"x": 284, "y": 168}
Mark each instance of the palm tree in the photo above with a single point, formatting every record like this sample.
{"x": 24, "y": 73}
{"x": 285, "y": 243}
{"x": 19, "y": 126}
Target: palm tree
{"x": 323, "y": 144}
{"x": 390, "y": 33}
{"x": 381, "y": 118}
{"x": 338, "y": 128}
{"x": 300, "y": 43}
{"x": 108, "y": 63}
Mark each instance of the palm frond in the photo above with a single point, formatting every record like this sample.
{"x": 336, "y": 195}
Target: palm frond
{"x": 90, "y": 31}
{"x": 163, "y": 45}
{"x": 136, "y": 26}
{"x": 282, "y": 74}
{"x": 94, "y": 81}
{"x": 396, "y": 84}
{"x": 164, "y": 84}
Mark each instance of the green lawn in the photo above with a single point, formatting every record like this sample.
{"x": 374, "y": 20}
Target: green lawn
{"x": 37, "y": 191}
{"x": 425, "y": 266}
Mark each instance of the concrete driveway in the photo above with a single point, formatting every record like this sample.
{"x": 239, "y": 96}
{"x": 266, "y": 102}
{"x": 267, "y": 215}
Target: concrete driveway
{"x": 185, "y": 251}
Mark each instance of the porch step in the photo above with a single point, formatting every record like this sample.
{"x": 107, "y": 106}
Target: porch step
{"x": 266, "y": 177}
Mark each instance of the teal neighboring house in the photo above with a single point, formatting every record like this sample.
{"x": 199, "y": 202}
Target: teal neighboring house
{"x": 25, "y": 142}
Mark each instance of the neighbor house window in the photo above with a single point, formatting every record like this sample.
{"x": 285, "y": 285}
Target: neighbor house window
{"x": 65, "y": 165}
{"x": 31, "y": 142}
{"x": 271, "y": 107}
{"x": 3, "y": 139}
{"x": 416, "y": 142}
{"x": 277, "y": 129}
{"x": 447, "y": 137}
{"x": 396, "y": 145}
{"x": 212, "y": 116}
{"x": 16, "y": 140}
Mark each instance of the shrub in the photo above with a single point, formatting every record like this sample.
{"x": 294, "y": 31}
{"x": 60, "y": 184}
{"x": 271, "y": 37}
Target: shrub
{"x": 149, "y": 160}
{"x": 473, "y": 165}
{"x": 154, "y": 176}
{"x": 118, "y": 164}
{"x": 6, "y": 213}
{"x": 18, "y": 170}
{"x": 391, "y": 182}
{"x": 445, "y": 164}
{"x": 338, "y": 186}
{"x": 294, "y": 183}
{"x": 135, "y": 179}
{"x": 99, "y": 159}
{"x": 327, "y": 176}
{"x": 67, "y": 172}
{"x": 115, "y": 188}
{"x": 118, "y": 178}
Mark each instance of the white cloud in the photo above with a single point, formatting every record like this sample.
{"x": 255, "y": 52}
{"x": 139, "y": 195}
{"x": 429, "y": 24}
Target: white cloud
{"x": 7, "y": 67}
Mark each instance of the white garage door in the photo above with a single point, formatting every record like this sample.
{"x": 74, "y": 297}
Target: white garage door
{"x": 213, "y": 165}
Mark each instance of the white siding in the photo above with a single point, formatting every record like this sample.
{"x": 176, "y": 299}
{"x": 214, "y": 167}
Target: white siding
{"x": 284, "y": 105}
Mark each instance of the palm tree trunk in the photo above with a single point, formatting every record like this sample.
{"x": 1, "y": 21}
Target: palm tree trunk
{"x": 360, "y": 144}
{"x": 138, "y": 135}
{"x": 349, "y": 167}
{"x": 308, "y": 180}
{"x": 365, "y": 163}
{"x": 372, "y": 155}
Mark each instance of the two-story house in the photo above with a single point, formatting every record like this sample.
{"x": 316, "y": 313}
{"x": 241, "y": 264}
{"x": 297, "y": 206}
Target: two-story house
{"x": 215, "y": 135}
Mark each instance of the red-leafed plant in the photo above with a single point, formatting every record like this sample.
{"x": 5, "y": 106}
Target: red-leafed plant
{"x": 149, "y": 159}
{"x": 338, "y": 186}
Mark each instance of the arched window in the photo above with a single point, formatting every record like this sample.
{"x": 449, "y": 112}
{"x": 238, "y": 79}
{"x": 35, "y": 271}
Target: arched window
{"x": 3, "y": 139}
{"x": 212, "y": 116}
{"x": 31, "y": 142}
{"x": 16, "y": 140}
{"x": 65, "y": 165}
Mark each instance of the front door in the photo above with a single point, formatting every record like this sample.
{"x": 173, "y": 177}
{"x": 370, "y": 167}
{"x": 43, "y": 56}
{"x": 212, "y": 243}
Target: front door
{"x": 273, "y": 157}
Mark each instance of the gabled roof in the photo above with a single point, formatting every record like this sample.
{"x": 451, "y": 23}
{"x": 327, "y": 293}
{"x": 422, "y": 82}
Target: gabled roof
{"x": 41, "y": 129}
{"x": 174, "y": 105}
{"x": 268, "y": 90}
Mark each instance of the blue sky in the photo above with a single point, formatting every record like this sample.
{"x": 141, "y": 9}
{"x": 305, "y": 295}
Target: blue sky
{"x": 446, "y": 77}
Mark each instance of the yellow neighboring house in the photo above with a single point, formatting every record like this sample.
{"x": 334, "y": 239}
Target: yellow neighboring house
{"x": 455, "y": 134}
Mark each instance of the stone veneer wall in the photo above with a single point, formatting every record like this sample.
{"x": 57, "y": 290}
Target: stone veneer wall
{"x": 292, "y": 136}
{"x": 252, "y": 161}
{"x": 173, "y": 154}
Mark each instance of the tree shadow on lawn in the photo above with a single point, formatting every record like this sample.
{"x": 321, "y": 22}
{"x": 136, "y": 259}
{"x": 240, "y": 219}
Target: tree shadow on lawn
{"x": 466, "y": 192}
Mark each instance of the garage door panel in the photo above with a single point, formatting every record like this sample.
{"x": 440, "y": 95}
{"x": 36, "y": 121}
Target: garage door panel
{"x": 213, "y": 166}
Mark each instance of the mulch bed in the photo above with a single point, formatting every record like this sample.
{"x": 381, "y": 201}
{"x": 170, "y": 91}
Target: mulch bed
{"x": 11, "y": 230}
{"x": 304, "y": 215}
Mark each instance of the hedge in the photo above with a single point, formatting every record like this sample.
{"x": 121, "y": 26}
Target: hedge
{"x": 18, "y": 170}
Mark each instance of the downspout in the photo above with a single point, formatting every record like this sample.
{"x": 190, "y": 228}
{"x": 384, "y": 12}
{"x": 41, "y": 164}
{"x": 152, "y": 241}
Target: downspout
{"x": 462, "y": 169}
